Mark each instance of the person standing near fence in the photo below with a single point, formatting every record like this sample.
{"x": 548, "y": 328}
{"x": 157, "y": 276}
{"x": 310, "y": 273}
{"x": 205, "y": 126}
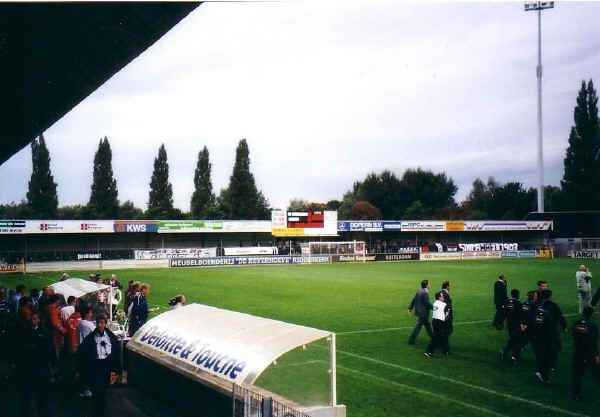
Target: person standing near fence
{"x": 139, "y": 310}
{"x": 421, "y": 305}
{"x": 583, "y": 278}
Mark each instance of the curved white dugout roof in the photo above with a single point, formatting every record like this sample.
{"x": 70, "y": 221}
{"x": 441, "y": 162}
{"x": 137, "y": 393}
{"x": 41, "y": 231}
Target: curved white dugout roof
{"x": 77, "y": 287}
{"x": 235, "y": 347}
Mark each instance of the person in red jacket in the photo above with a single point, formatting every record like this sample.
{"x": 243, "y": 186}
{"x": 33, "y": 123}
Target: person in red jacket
{"x": 55, "y": 324}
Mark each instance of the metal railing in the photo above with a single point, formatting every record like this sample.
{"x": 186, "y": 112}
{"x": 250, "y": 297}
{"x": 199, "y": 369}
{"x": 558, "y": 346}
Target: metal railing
{"x": 248, "y": 403}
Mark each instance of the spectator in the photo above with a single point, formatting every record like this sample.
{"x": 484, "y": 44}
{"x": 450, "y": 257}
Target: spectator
{"x": 69, "y": 309}
{"x": 4, "y": 308}
{"x": 114, "y": 282}
{"x": 139, "y": 310}
{"x": 64, "y": 277}
{"x": 34, "y": 295}
{"x": 98, "y": 356}
{"x": 26, "y": 310}
{"x": 583, "y": 278}
{"x": 55, "y": 324}
{"x": 178, "y": 301}
{"x": 35, "y": 360}
{"x": 47, "y": 292}
{"x": 131, "y": 293}
{"x": 87, "y": 323}
{"x": 14, "y": 301}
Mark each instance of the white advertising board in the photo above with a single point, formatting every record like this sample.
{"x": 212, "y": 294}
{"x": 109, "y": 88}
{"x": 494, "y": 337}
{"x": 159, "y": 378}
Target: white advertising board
{"x": 250, "y": 250}
{"x": 168, "y": 253}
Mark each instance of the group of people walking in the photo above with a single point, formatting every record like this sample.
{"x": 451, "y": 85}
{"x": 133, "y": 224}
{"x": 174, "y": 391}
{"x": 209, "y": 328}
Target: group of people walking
{"x": 538, "y": 322}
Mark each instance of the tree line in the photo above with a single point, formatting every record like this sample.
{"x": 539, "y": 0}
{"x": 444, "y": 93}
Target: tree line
{"x": 240, "y": 200}
{"x": 417, "y": 194}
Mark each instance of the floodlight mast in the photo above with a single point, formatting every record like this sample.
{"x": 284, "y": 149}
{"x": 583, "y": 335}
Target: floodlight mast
{"x": 539, "y": 6}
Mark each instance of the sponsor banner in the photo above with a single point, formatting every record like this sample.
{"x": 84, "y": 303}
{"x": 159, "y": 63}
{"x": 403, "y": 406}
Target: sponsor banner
{"x": 509, "y": 225}
{"x": 544, "y": 253}
{"x": 392, "y": 226}
{"x": 518, "y": 254}
{"x": 255, "y": 250}
{"x": 455, "y": 226}
{"x": 412, "y": 249}
{"x": 423, "y": 226}
{"x": 586, "y": 254}
{"x": 361, "y": 226}
{"x": 488, "y": 254}
{"x": 474, "y": 247}
{"x": 246, "y": 260}
{"x": 133, "y": 226}
{"x": 12, "y": 226}
{"x": 353, "y": 258}
{"x": 88, "y": 256}
{"x": 12, "y": 268}
{"x": 390, "y": 257}
{"x": 214, "y": 226}
{"x": 168, "y": 253}
{"x": 441, "y": 256}
{"x": 285, "y": 231}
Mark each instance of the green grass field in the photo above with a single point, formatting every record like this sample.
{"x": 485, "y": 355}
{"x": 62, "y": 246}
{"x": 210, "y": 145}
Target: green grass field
{"x": 379, "y": 374}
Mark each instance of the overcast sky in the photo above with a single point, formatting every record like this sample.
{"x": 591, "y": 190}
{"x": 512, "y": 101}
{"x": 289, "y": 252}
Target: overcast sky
{"x": 328, "y": 92}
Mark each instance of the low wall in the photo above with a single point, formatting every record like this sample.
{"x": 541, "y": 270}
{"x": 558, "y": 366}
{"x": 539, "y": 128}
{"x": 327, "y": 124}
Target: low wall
{"x": 96, "y": 265}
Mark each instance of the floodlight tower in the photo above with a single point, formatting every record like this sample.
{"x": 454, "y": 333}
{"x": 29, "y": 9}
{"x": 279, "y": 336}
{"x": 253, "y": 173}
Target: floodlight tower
{"x": 539, "y": 6}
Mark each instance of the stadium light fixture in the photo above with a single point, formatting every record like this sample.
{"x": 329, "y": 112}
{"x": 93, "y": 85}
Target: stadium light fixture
{"x": 539, "y": 6}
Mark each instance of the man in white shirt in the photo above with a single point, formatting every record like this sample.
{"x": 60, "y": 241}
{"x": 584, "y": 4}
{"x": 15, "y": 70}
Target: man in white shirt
{"x": 69, "y": 309}
{"x": 441, "y": 312}
{"x": 86, "y": 325}
{"x": 584, "y": 287}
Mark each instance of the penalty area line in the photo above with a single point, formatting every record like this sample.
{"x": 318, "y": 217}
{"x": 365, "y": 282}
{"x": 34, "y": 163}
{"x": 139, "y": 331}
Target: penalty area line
{"x": 421, "y": 391}
{"x": 466, "y": 384}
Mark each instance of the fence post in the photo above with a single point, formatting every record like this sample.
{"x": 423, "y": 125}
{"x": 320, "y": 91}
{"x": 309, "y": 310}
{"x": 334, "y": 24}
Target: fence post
{"x": 233, "y": 400}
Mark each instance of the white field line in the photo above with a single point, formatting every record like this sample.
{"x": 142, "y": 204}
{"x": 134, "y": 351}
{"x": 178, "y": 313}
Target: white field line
{"x": 466, "y": 384}
{"x": 423, "y": 392}
{"x": 390, "y": 329}
{"x": 299, "y": 363}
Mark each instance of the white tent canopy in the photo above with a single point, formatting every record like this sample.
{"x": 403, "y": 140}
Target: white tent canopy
{"x": 199, "y": 340}
{"x": 78, "y": 287}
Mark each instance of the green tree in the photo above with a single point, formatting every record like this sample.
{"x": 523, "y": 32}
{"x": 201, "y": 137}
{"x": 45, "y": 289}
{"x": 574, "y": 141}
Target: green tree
{"x": 104, "y": 202}
{"x": 41, "y": 196}
{"x": 15, "y": 210}
{"x": 333, "y": 204}
{"x": 160, "y": 199}
{"x": 203, "y": 204}
{"x": 415, "y": 211}
{"x": 128, "y": 211}
{"x": 74, "y": 212}
{"x": 298, "y": 204}
{"x": 363, "y": 210}
{"x": 581, "y": 179}
{"x": 241, "y": 199}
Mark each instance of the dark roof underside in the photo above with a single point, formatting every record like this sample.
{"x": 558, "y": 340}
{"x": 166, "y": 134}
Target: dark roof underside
{"x": 53, "y": 56}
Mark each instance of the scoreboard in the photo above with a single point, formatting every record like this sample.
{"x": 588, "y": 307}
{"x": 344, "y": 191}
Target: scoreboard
{"x": 303, "y": 223}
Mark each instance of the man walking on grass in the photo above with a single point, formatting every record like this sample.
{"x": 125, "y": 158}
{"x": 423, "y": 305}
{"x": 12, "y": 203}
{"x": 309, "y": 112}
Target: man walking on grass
{"x": 441, "y": 331}
{"x": 421, "y": 304}
{"x": 500, "y": 297}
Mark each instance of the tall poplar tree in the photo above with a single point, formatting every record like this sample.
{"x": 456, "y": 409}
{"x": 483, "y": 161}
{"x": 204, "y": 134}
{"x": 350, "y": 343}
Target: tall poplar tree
{"x": 581, "y": 180}
{"x": 203, "y": 203}
{"x": 160, "y": 200}
{"x": 242, "y": 200}
{"x": 104, "y": 203}
{"x": 41, "y": 195}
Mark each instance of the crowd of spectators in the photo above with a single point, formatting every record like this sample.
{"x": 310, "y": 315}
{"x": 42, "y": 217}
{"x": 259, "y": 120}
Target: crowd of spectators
{"x": 51, "y": 342}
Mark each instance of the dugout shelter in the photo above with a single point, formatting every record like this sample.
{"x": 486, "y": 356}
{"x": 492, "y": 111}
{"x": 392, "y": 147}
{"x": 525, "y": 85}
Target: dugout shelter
{"x": 198, "y": 354}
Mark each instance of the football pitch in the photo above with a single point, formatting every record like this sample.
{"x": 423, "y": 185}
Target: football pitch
{"x": 378, "y": 373}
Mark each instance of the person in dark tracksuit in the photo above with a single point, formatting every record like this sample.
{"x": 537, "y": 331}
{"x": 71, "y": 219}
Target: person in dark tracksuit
{"x": 596, "y": 298}
{"x": 500, "y": 298}
{"x": 421, "y": 304}
{"x": 527, "y": 314}
{"x": 585, "y": 336}
{"x": 448, "y": 301}
{"x": 560, "y": 324}
{"x": 512, "y": 312}
{"x": 441, "y": 333}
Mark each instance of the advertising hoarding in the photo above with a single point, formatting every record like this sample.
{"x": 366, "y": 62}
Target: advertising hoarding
{"x": 246, "y": 260}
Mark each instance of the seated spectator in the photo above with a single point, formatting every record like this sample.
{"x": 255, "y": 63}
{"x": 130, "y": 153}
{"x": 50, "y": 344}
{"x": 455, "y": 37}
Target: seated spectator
{"x": 69, "y": 309}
